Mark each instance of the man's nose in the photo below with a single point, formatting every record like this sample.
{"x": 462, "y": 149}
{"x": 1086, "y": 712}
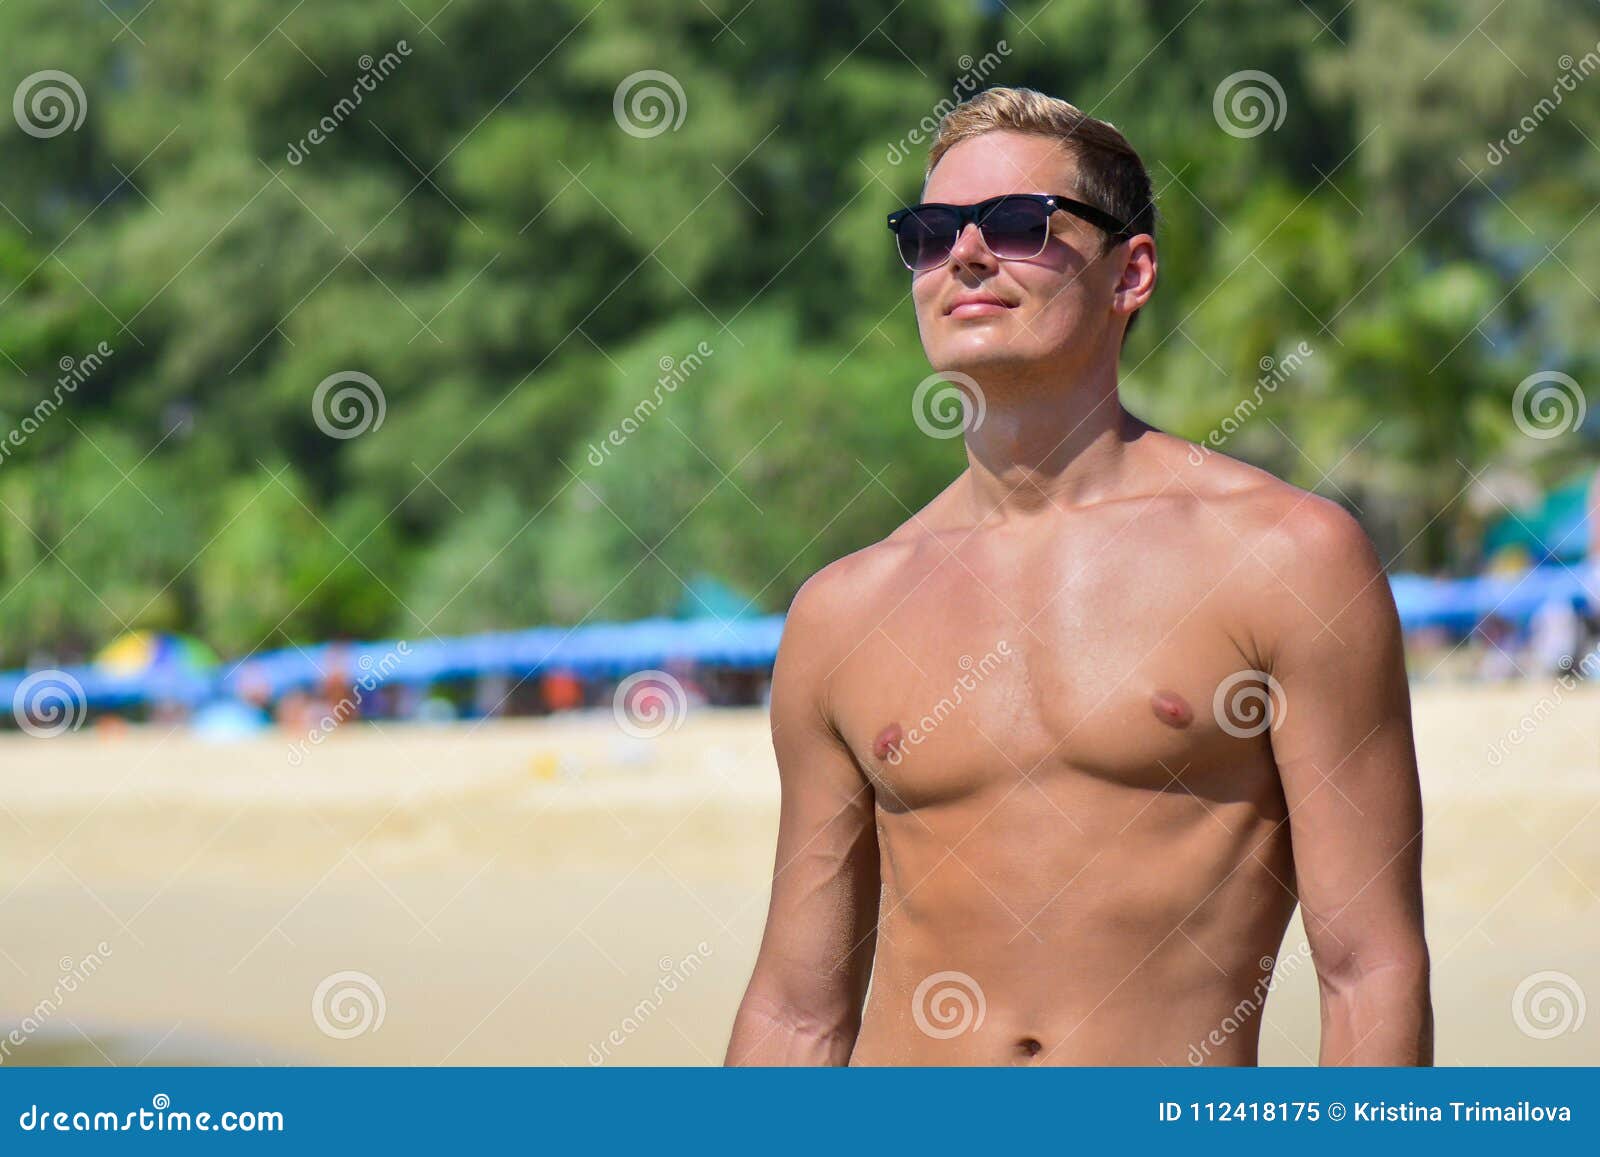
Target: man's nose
{"x": 969, "y": 250}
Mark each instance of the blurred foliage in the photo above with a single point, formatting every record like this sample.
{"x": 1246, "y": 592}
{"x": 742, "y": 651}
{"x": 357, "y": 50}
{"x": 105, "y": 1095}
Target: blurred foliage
{"x": 482, "y": 238}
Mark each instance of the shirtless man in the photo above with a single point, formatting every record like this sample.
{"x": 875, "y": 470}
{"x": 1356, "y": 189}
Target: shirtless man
{"x": 1060, "y": 755}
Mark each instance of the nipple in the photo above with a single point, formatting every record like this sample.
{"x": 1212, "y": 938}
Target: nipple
{"x": 887, "y": 741}
{"x": 1172, "y": 709}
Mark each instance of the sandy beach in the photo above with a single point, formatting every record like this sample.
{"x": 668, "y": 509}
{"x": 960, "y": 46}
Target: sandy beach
{"x": 560, "y": 892}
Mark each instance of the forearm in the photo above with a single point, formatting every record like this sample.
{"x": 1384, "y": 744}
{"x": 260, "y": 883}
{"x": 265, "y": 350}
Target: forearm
{"x": 771, "y": 1033}
{"x": 1383, "y": 1016}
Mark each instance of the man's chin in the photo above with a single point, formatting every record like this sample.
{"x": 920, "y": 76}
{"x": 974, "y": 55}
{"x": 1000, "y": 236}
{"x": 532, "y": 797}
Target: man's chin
{"x": 974, "y": 360}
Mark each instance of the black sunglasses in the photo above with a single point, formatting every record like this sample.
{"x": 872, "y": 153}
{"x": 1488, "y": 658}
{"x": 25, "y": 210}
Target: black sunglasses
{"x": 1015, "y": 226}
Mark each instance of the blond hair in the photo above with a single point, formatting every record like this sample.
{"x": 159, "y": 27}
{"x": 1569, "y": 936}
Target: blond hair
{"x": 1110, "y": 172}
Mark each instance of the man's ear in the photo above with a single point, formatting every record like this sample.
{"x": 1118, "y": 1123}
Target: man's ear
{"x": 1141, "y": 255}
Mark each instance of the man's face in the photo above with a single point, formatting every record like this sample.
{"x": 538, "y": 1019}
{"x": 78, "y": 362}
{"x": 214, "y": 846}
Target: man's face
{"x": 1059, "y": 302}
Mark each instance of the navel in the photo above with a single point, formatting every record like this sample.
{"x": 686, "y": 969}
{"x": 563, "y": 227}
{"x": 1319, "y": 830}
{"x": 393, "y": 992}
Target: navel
{"x": 887, "y": 740}
{"x": 1172, "y": 709}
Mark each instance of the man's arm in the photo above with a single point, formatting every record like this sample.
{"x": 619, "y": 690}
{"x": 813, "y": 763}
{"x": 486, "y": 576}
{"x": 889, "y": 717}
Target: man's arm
{"x": 803, "y": 1003}
{"x": 1346, "y": 757}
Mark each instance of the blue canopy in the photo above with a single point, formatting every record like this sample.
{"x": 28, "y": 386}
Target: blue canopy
{"x": 595, "y": 650}
{"x": 1462, "y": 604}
{"x": 605, "y": 650}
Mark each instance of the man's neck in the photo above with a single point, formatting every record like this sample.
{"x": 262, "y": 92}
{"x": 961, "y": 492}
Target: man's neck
{"x": 1048, "y": 445}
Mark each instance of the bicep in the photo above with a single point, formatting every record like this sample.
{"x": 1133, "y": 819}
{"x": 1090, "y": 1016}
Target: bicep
{"x": 817, "y": 949}
{"x": 1347, "y": 760}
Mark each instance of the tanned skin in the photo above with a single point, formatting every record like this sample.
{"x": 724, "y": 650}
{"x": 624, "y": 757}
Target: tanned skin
{"x": 1031, "y": 763}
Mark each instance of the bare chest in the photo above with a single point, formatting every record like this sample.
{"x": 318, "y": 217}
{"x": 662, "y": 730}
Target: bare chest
{"x": 1121, "y": 668}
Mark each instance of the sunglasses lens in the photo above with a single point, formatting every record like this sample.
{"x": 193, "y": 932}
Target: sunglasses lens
{"x": 1016, "y": 228}
{"x": 925, "y": 237}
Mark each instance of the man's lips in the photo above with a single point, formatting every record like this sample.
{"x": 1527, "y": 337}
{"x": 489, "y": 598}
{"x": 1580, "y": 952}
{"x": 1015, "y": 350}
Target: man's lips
{"x": 976, "y": 305}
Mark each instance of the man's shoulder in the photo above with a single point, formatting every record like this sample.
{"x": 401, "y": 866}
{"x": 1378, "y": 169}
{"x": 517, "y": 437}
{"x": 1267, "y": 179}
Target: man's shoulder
{"x": 854, "y": 579}
{"x": 1298, "y": 552}
{"x": 847, "y": 583}
{"x": 1277, "y": 518}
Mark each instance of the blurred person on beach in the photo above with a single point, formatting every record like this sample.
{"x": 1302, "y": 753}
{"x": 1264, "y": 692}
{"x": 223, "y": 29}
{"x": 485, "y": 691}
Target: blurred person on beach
{"x": 1554, "y": 636}
{"x": 1060, "y": 755}
{"x": 1496, "y": 661}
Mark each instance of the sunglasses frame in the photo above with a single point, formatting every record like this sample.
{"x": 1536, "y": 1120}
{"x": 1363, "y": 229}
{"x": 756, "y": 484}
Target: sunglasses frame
{"x": 973, "y": 213}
